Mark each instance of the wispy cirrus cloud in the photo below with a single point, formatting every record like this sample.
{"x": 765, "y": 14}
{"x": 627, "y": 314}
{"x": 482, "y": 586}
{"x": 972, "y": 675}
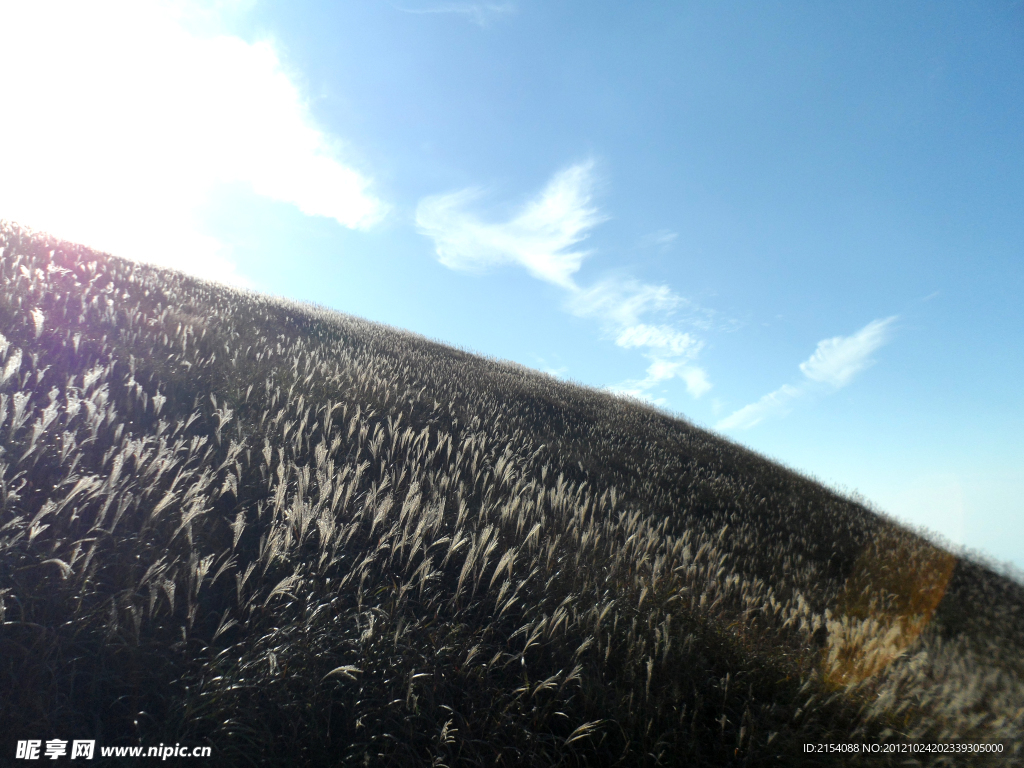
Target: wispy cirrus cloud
{"x": 660, "y": 337}
{"x": 544, "y": 238}
{"x": 623, "y": 302}
{"x": 837, "y": 360}
{"x": 141, "y": 117}
{"x": 481, "y": 14}
{"x": 833, "y": 365}
{"x": 621, "y": 307}
{"x": 661, "y": 370}
{"x": 775, "y": 403}
{"x": 661, "y": 239}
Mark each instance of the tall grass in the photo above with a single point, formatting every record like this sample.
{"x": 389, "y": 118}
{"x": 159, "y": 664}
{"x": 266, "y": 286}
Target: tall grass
{"x": 303, "y": 538}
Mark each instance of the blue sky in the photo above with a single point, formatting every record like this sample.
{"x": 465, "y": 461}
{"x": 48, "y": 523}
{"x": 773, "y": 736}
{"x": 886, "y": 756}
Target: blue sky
{"x": 797, "y": 224}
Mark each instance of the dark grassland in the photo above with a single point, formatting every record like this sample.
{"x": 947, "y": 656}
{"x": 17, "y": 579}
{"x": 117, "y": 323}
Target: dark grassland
{"x": 305, "y": 539}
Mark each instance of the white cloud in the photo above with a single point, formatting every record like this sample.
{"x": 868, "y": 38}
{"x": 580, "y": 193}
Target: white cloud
{"x": 660, "y": 337}
{"x": 658, "y": 372}
{"x": 480, "y": 14}
{"x": 670, "y": 352}
{"x": 622, "y": 302}
{"x": 540, "y": 238}
{"x": 696, "y": 380}
{"x": 562, "y": 372}
{"x": 660, "y": 239}
{"x": 620, "y": 306}
{"x": 119, "y": 121}
{"x": 835, "y": 362}
{"x": 558, "y": 371}
{"x": 773, "y": 404}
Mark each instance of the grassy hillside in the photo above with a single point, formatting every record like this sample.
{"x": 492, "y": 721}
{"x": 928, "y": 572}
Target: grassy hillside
{"x": 305, "y": 539}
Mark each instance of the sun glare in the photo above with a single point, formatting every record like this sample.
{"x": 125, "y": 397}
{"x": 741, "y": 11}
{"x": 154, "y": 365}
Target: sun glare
{"x": 118, "y": 122}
